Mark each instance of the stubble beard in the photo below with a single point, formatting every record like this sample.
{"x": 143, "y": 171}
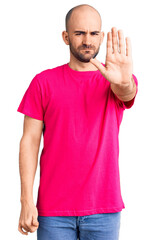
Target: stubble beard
{"x": 83, "y": 57}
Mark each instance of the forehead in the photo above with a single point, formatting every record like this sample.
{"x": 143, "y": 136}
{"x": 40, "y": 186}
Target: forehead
{"x": 85, "y": 21}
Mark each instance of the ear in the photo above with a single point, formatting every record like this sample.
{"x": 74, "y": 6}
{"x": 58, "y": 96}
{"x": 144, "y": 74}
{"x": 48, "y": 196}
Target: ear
{"x": 65, "y": 37}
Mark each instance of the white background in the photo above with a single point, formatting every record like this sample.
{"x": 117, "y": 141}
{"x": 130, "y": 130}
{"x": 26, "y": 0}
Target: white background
{"x": 30, "y": 42}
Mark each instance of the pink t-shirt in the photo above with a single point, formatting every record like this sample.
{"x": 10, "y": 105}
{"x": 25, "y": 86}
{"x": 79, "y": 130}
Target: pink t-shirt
{"x": 79, "y": 167}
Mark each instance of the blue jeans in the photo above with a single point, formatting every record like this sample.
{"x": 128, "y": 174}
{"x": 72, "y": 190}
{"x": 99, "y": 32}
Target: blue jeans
{"x": 102, "y": 226}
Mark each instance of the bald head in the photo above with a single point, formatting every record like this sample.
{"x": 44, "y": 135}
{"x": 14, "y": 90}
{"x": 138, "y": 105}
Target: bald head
{"x": 79, "y": 11}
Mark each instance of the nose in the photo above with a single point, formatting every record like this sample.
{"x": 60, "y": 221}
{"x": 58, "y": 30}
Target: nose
{"x": 86, "y": 40}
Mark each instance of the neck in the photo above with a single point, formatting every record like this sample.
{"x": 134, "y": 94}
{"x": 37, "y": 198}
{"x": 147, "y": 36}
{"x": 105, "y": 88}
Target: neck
{"x": 81, "y": 66}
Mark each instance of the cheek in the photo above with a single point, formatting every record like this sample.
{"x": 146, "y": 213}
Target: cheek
{"x": 75, "y": 42}
{"x": 78, "y": 42}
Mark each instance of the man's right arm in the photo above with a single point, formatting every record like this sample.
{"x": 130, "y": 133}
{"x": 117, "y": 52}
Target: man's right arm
{"x": 28, "y": 160}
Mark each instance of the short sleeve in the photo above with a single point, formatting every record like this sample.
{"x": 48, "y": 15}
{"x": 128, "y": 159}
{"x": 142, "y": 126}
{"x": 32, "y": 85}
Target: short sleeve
{"x": 31, "y": 103}
{"x": 129, "y": 104}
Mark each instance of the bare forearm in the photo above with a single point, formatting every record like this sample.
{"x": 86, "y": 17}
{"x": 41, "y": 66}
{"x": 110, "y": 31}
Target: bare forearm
{"x": 28, "y": 159}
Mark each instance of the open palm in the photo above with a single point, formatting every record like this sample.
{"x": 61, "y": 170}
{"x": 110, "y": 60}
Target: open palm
{"x": 118, "y": 65}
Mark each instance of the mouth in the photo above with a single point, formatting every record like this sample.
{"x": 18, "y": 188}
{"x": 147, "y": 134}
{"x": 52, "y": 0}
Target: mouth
{"x": 87, "y": 50}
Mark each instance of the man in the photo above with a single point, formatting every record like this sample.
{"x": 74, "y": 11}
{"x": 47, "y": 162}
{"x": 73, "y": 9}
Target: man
{"x": 79, "y": 107}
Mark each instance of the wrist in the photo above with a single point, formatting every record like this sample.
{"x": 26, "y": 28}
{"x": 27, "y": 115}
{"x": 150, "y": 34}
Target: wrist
{"x": 26, "y": 199}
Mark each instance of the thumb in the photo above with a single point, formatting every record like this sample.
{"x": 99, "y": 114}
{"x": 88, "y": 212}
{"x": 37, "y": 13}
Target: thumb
{"x": 35, "y": 221}
{"x": 99, "y": 65}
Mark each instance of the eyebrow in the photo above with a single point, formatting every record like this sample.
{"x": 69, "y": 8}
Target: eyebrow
{"x": 84, "y": 32}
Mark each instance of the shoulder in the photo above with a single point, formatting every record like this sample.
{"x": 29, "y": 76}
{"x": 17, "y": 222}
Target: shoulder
{"x": 50, "y": 72}
{"x": 45, "y": 80}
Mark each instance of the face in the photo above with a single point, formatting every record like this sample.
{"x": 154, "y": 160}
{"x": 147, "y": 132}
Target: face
{"x": 84, "y": 35}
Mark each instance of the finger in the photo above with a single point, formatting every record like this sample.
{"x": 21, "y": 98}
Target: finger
{"x": 109, "y": 43}
{"x": 128, "y": 47}
{"x": 99, "y": 65}
{"x": 33, "y": 229}
{"x": 21, "y": 230}
{"x": 30, "y": 228}
{"x": 121, "y": 42}
{"x": 26, "y": 227}
{"x": 35, "y": 221}
{"x": 114, "y": 40}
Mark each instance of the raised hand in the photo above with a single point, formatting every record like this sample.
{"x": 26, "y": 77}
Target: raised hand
{"x": 118, "y": 65}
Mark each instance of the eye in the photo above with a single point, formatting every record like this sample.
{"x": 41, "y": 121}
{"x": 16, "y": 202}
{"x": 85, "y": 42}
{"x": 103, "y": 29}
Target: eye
{"x": 78, "y": 33}
{"x": 94, "y": 33}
